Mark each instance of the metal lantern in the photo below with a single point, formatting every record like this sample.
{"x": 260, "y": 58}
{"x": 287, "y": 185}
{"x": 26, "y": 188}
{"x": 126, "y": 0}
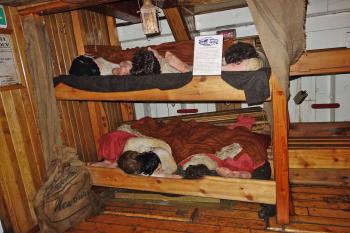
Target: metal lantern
{"x": 149, "y": 18}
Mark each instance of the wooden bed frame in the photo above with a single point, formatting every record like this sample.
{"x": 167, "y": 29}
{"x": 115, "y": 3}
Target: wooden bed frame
{"x": 203, "y": 88}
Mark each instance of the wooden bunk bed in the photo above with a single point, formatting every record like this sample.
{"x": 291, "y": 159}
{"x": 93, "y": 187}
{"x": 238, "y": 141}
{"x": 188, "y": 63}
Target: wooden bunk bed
{"x": 203, "y": 88}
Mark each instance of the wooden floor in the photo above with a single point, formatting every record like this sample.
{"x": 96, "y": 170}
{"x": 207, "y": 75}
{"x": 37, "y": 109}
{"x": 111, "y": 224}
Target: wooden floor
{"x": 316, "y": 209}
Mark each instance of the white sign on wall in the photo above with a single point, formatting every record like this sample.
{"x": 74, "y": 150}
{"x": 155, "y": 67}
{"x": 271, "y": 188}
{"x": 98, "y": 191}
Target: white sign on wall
{"x": 8, "y": 67}
{"x": 207, "y": 57}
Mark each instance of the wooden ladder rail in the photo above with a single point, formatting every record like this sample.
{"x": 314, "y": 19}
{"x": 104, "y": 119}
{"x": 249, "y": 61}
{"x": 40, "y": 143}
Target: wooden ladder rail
{"x": 280, "y": 151}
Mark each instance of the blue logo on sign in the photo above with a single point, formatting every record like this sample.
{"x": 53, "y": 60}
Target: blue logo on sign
{"x": 208, "y": 41}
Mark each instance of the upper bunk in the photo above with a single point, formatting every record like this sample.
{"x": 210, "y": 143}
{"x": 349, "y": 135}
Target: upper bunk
{"x": 201, "y": 88}
{"x": 165, "y": 87}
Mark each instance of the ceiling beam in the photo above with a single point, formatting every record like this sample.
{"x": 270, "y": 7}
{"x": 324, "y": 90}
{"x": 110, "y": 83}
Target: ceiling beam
{"x": 177, "y": 24}
{"x": 207, "y": 6}
{"x": 57, "y": 6}
{"x": 165, "y": 3}
{"x": 124, "y": 10}
{"x": 19, "y": 2}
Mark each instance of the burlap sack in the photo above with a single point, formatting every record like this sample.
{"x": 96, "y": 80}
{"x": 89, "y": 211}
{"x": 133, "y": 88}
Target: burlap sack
{"x": 66, "y": 197}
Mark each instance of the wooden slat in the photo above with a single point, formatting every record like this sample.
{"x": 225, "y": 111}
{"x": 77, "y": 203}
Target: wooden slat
{"x": 334, "y": 177}
{"x": 158, "y": 226}
{"x": 201, "y": 88}
{"x": 318, "y": 62}
{"x": 148, "y": 211}
{"x": 245, "y": 190}
{"x": 321, "y": 130}
{"x": 314, "y": 228}
{"x": 329, "y": 213}
{"x": 159, "y": 197}
{"x": 280, "y": 151}
{"x": 319, "y": 158}
{"x": 113, "y": 35}
{"x": 11, "y": 178}
{"x": 322, "y": 220}
{"x": 321, "y": 190}
{"x": 79, "y": 33}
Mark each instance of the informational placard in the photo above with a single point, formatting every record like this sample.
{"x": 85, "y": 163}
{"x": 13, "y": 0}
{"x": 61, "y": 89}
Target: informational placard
{"x": 207, "y": 59}
{"x": 3, "y": 21}
{"x": 8, "y": 67}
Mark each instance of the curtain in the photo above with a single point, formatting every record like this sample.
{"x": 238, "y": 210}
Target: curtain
{"x": 281, "y": 28}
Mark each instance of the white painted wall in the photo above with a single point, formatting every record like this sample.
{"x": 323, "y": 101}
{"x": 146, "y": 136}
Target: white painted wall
{"x": 327, "y": 26}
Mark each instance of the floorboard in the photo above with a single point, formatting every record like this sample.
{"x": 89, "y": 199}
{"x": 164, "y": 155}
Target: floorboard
{"x": 316, "y": 209}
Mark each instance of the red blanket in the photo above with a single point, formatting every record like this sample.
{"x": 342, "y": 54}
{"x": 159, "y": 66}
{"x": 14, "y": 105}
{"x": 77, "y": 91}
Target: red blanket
{"x": 188, "y": 138}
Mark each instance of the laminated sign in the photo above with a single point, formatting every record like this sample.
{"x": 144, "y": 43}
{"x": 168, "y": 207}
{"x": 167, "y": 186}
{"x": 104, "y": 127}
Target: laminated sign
{"x": 207, "y": 57}
{"x": 8, "y": 67}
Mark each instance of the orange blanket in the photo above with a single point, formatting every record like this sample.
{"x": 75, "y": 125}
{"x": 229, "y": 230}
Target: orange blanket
{"x": 188, "y": 138}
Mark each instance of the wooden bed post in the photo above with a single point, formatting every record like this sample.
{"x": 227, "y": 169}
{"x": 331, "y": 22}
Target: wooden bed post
{"x": 280, "y": 151}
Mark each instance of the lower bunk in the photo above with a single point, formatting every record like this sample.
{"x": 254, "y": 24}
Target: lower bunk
{"x": 260, "y": 188}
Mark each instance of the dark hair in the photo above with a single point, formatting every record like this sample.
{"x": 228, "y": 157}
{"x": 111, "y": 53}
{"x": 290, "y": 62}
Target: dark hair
{"x": 149, "y": 162}
{"x": 133, "y": 162}
{"x": 84, "y": 65}
{"x": 197, "y": 171}
{"x": 128, "y": 163}
{"x": 240, "y": 51}
{"x": 144, "y": 62}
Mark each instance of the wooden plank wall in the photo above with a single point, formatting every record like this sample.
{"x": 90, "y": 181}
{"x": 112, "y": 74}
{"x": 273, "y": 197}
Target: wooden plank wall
{"x": 22, "y": 164}
{"x": 97, "y": 33}
{"x": 75, "y": 116}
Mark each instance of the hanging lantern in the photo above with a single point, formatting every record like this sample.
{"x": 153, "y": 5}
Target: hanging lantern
{"x": 149, "y": 18}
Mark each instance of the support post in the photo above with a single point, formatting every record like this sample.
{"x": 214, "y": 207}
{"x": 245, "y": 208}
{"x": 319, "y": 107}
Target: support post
{"x": 280, "y": 151}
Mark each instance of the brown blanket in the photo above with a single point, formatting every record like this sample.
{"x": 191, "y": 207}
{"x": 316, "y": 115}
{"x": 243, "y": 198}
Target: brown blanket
{"x": 188, "y": 138}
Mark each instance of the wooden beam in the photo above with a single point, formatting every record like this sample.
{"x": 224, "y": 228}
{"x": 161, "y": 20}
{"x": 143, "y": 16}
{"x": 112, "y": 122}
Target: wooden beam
{"x": 57, "y": 6}
{"x": 79, "y": 33}
{"x": 315, "y": 176}
{"x": 325, "y": 61}
{"x": 249, "y": 190}
{"x": 125, "y": 10}
{"x": 112, "y": 33}
{"x": 194, "y": 2}
{"x": 19, "y": 2}
{"x": 207, "y": 6}
{"x": 317, "y": 157}
{"x": 280, "y": 151}
{"x": 326, "y": 130}
{"x": 163, "y": 4}
{"x": 201, "y": 88}
{"x": 177, "y": 24}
